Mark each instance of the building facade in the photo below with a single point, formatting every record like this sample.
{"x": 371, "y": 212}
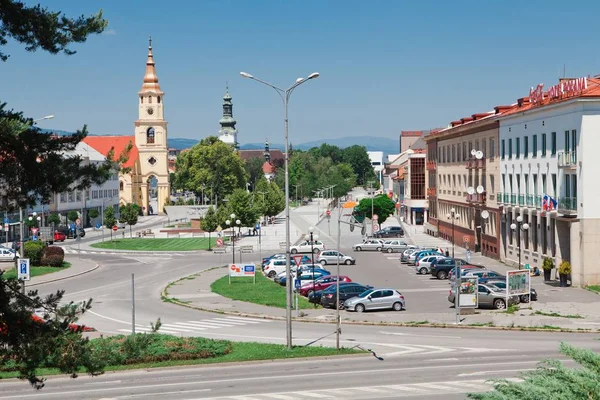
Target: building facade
{"x": 548, "y": 144}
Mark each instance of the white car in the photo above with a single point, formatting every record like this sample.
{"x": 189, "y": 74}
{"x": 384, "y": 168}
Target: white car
{"x": 307, "y": 247}
{"x": 369, "y": 244}
{"x": 392, "y": 246}
{"x": 7, "y": 254}
{"x": 275, "y": 267}
{"x": 422, "y": 266}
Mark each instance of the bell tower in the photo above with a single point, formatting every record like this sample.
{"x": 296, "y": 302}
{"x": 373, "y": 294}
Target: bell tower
{"x": 152, "y": 176}
{"x": 228, "y": 133}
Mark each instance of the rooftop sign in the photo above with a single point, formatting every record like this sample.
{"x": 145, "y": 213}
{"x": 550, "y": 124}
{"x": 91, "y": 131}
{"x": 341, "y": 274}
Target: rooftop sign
{"x": 566, "y": 88}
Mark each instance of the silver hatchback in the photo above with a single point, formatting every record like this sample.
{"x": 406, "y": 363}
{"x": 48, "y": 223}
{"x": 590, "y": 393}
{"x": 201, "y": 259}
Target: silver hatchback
{"x": 376, "y": 299}
{"x": 331, "y": 257}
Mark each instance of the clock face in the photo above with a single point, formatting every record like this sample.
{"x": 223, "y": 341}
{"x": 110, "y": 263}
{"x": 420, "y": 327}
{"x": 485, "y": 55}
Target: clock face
{"x": 152, "y": 160}
{"x": 150, "y": 111}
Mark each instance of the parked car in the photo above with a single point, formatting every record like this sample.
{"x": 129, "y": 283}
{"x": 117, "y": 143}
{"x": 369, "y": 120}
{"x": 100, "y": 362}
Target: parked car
{"x": 327, "y": 297}
{"x": 501, "y": 284}
{"x": 59, "y": 236}
{"x": 332, "y": 256}
{"x": 389, "y": 231}
{"x": 303, "y": 268}
{"x": 321, "y": 284}
{"x": 307, "y": 246}
{"x": 489, "y": 296}
{"x": 275, "y": 266}
{"x": 305, "y": 277}
{"x": 8, "y": 254}
{"x": 396, "y": 246}
{"x": 376, "y": 299}
{"x": 441, "y": 268}
{"x": 416, "y": 256}
{"x": 71, "y": 233}
{"x": 369, "y": 244}
{"x": 281, "y": 256}
{"x": 406, "y": 254}
{"x": 463, "y": 268}
{"x": 479, "y": 273}
{"x": 422, "y": 266}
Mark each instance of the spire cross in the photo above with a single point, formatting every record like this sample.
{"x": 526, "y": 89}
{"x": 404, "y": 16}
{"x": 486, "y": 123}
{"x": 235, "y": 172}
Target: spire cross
{"x": 150, "y": 42}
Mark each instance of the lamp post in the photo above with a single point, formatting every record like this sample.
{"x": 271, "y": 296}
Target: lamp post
{"x": 519, "y": 226}
{"x": 312, "y": 237}
{"x": 285, "y": 97}
{"x": 452, "y": 216}
{"x": 230, "y": 223}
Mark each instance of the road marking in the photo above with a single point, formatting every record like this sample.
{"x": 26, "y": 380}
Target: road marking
{"x": 186, "y": 325}
{"x": 227, "y": 321}
{"x": 175, "y": 328}
{"x": 419, "y": 335}
{"x": 179, "y": 392}
{"x": 478, "y": 373}
{"x": 250, "y": 319}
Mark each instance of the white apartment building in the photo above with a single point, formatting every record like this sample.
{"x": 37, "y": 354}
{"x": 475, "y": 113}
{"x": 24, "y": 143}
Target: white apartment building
{"x": 376, "y": 158}
{"x": 549, "y": 146}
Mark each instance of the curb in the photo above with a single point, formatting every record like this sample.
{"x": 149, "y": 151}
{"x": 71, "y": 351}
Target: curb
{"x": 165, "y": 297}
{"x": 65, "y": 277}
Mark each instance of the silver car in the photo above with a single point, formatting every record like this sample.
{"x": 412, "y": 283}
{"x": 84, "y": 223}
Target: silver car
{"x": 396, "y": 246}
{"x": 369, "y": 244}
{"x": 376, "y": 299}
{"x": 422, "y": 266}
{"x": 332, "y": 256}
{"x": 489, "y": 296}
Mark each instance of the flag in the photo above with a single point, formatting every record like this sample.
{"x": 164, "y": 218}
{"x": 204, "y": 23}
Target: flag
{"x": 548, "y": 203}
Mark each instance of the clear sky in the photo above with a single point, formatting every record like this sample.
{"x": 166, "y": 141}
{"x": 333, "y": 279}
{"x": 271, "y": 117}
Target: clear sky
{"x": 385, "y": 66}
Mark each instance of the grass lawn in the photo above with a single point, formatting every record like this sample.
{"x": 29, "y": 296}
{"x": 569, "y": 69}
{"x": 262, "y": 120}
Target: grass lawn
{"x": 161, "y": 244}
{"x": 265, "y": 291}
{"x": 240, "y": 351}
{"x": 593, "y": 288}
{"x": 36, "y": 271}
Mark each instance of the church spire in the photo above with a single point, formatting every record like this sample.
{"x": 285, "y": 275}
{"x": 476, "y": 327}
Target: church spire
{"x": 150, "y": 79}
{"x": 228, "y": 133}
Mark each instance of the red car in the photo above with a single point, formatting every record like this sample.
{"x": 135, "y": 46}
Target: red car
{"x": 59, "y": 236}
{"x": 322, "y": 283}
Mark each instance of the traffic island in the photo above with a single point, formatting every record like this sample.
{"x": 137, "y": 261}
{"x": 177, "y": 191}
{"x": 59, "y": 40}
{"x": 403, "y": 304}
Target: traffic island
{"x": 36, "y": 271}
{"x": 158, "y": 244}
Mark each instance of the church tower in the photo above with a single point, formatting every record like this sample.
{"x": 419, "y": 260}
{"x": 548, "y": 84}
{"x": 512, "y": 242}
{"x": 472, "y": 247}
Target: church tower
{"x": 228, "y": 133}
{"x": 151, "y": 179}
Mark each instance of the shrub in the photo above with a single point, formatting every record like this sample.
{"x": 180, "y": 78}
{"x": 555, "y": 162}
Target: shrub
{"x": 548, "y": 264}
{"x": 53, "y": 256}
{"x": 93, "y": 213}
{"x": 33, "y": 251}
{"x": 72, "y": 215}
{"x": 564, "y": 268}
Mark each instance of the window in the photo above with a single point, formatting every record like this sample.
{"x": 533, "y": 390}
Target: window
{"x": 71, "y": 197}
{"x": 526, "y": 183}
{"x": 567, "y": 139}
{"x": 458, "y": 153}
{"x": 554, "y": 185}
{"x": 492, "y": 183}
{"x": 544, "y": 187}
{"x": 453, "y": 153}
{"x": 503, "y": 182}
{"x": 534, "y": 147}
{"x": 477, "y": 145}
{"x": 121, "y": 184}
{"x": 574, "y": 188}
{"x": 535, "y": 184}
{"x": 492, "y": 148}
{"x": 78, "y": 195}
{"x": 483, "y": 147}
{"x": 510, "y": 182}
{"x": 464, "y": 151}
{"x": 106, "y": 195}
{"x": 518, "y": 179}
{"x": 544, "y": 145}
{"x": 63, "y": 197}
{"x": 94, "y": 194}
{"x": 553, "y": 143}
{"x": 509, "y": 149}
{"x": 567, "y": 185}
{"x": 525, "y": 146}
{"x": 518, "y": 152}
{"x": 115, "y": 192}
{"x": 503, "y": 149}
{"x": 150, "y": 135}
{"x": 574, "y": 140}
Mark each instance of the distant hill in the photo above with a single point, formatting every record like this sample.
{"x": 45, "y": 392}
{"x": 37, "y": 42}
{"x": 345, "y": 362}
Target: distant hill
{"x": 372, "y": 143}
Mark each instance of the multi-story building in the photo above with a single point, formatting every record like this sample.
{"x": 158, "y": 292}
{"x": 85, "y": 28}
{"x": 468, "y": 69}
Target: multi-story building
{"x": 462, "y": 168}
{"x": 376, "y": 158}
{"x": 548, "y": 152}
{"x": 412, "y": 181}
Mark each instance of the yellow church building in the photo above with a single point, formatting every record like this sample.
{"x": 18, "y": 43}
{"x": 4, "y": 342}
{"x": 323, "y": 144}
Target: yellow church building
{"x": 147, "y": 164}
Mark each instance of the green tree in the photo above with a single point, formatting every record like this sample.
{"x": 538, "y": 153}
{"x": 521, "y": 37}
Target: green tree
{"x": 53, "y": 219}
{"x": 209, "y": 223}
{"x": 223, "y": 214}
{"x": 358, "y": 158}
{"x": 383, "y": 206}
{"x": 129, "y": 214}
{"x": 253, "y": 167}
{"x": 552, "y": 380}
{"x": 211, "y": 163}
{"x": 275, "y": 200}
{"x": 93, "y": 213}
{"x": 72, "y": 215}
{"x": 240, "y": 203}
{"x": 109, "y": 219}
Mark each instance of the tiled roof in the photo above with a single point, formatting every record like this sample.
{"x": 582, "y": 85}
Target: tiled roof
{"x": 248, "y": 154}
{"x": 268, "y": 168}
{"x": 103, "y": 144}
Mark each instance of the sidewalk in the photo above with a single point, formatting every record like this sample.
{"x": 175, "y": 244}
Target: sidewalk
{"x": 78, "y": 267}
{"x": 195, "y": 292}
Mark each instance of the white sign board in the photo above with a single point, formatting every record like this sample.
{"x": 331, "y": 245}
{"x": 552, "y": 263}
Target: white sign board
{"x": 23, "y": 272}
{"x": 236, "y": 270}
{"x": 468, "y": 292}
{"x": 518, "y": 282}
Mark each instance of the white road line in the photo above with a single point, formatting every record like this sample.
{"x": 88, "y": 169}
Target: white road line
{"x": 223, "y": 320}
{"x": 280, "y": 396}
{"x": 370, "y": 389}
{"x": 250, "y": 319}
{"x": 316, "y": 395}
{"x": 419, "y": 335}
{"x": 437, "y": 386}
{"x": 215, "y": 324}
{"x": 175, "y": 328}
{"x": 493, "y": 372}
{"x": 184, "y": 325}
{"x": 204, "y": 325}
{"x": 406, "y": 388}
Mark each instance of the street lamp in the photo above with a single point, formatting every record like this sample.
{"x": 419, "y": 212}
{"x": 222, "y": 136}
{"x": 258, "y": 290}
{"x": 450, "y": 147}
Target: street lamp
{"x": 230, "y": 223}
{"x": 453, "y": 216}
{"x": 312, "y": 237}
{"x": 285, "y": 97}
{"x": 521, "y": 227}
{"x": 43, "y": 118}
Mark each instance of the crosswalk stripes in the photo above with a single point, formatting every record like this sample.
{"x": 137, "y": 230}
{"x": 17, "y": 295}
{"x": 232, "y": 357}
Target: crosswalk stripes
{"x": 201, "y": 325}
{"x": 425, "y": 390}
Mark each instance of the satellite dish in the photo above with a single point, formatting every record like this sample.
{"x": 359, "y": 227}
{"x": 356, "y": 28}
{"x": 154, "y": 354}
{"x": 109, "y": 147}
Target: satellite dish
{"x": 479, "y": 155}
{"x": 470, "y": 190}
{"x": 485, "y": 214}
{"x": 480, "y": 189}
{"x": 473, "y": 152}
{"x": 351, "y": 227}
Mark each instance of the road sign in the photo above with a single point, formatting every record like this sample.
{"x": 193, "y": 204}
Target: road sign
{"x": 257, "y": 227}
{"x": 466, "y": 239}
{"x": 34, "y": 238}
{"x": 375, "y": 217}
{"x": 220, "y": 242}
{"x": 6, "y": 227}
{"x": 375, "y": 227}
{"x": 34, "y": 231}
{"x": 249, "y": 270}
{"x": 72, "y": 226}
{"x": 219, "y": 229}
{"x": 235, "y": 270}
{"x": 328, "y": 212}
{"x": 23, "y": 272}
{"x": 298, "y": 259}
{"x": 6, "y": 220}
{"x": 115, "y": 228}
{"x": 297, "y": 283}
{"x": 98, "y": 225}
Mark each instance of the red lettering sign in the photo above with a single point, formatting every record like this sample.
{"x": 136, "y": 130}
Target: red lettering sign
{"x": 568, "y": 88}
{"x": 536, "y": 95}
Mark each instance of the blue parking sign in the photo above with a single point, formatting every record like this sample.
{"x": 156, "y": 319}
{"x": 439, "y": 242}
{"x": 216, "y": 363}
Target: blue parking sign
{"x": 297, "y": 283}
{"x": 23, "y": 270}
{"x": 257, "y": 227}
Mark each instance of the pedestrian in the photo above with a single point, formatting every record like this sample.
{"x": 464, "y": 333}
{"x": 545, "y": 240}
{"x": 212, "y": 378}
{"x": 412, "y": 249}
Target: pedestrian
{"x": 447, "y": 253}
{"x": 150, "y": 211}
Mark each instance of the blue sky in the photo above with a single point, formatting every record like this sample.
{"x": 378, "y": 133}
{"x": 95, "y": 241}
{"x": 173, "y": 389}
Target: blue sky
{"x": 385, "y": 66}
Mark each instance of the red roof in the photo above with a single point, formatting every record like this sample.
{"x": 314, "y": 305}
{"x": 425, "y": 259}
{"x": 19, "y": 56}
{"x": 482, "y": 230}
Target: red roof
{"x": 103, "y": 144}
{"x": 268, "y": 168}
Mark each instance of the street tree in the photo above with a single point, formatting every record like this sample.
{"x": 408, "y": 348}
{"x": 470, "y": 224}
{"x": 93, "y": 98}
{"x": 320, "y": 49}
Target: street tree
{"x": 93, "y": 213}
{"x": 209, "y": 223}
{"x": 275, "y": 200}
{"x": 72, "y": 215}
{"x": 33, "y": 166}
{"x": 253, "y": 167}
{"x": 109, "y": 219}
{"x": 358, "y": 158}
{"x": 53, "y": 219}
{"x": 383, "y": 206}
{"x": 240, "y": 203}
{"x": 211, "y": 164}
{"x": 129, "y": 214}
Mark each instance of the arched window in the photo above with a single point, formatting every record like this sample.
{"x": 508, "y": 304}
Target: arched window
{"x": 142, "y": 99}
{"x": 158, "y": 99}
{"x": 121, "y": 185}
{"x": 150, "y": 135}
{"x": 150, "y": 99}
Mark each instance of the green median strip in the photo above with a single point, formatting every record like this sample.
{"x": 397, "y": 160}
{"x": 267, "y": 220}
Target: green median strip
{"x": 155, "y": 350}
{"x": 264, "y": 291}
{"x": 555, "y": 314}
{"x": 35, "y": 271}
{"x": 160, "y": 244}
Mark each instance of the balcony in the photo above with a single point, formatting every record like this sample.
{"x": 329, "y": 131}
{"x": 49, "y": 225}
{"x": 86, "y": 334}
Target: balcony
{"x": 505, "y": 198}
{"x": 567, "y": 159}
{"x": 431, "y": 165}
{"x": 529, "y": 200}
{"x": 476, "y": 198}
{"x": 475, "y": 163}
{"x": 538, "y": 201}
{"x": 521, "y": 200}
{"x": 431, "y": 192}
{"x": 567, "y": 205}
{"x": 513, "y": 199}
{"x": 499, "y": 197}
